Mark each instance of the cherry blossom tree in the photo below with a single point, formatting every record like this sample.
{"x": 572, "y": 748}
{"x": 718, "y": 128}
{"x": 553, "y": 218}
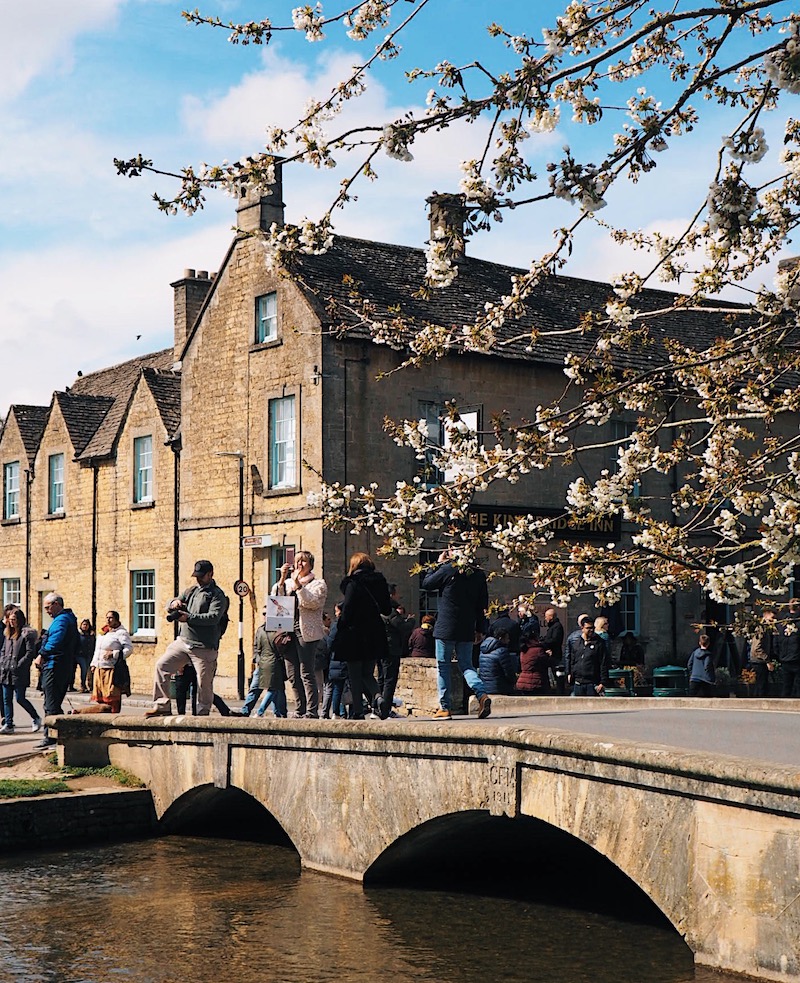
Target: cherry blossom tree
{"x": 639, "y": 77}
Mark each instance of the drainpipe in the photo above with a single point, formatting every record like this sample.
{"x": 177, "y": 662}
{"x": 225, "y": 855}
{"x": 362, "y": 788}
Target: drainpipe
{"x": 673, "y": 599}
{"x": 95, "y": 518}
{"x": 176, "y": 514}
{"x": 28, "y": 485}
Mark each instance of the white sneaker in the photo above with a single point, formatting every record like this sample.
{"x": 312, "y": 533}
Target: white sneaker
{"x": 36, "y": 726}
{"x": 7, "y": 729}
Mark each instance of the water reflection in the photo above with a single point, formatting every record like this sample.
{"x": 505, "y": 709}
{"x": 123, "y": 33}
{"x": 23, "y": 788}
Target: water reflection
{"x": 200, "y": 911}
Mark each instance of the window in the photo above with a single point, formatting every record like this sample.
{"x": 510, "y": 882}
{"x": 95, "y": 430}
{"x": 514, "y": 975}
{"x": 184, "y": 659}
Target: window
{"x": 266, "y": 318}
{"x": 278, "y": 555}
{"x": 143, "y": 469}
{"x": 12, "y": 591}
{"x": 143, "y": 598}
{"x": 55, "y": 471}
{"x": 428, "y": 600}
{"x": 440, "y": 428}
{"x": 470, "y": 420}
{"x": 430, "y": 413}
{"x": 282, "y": 443}
{"x": 629, "y": 607}
{"x": 11, "y": 490}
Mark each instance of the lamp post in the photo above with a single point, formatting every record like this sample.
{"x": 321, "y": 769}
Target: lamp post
{"x": 240, "y": 658}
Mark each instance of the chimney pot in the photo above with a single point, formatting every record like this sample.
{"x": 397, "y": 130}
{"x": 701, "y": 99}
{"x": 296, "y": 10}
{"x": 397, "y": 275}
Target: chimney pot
{"x": 188, "y": 274}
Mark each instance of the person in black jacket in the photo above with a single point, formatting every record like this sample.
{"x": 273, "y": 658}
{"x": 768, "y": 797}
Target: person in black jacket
{"x": 587, "y": 663}
{"x": 553, "y": 644}
{"x": 360, "y": 634}
{"x": 463, "y": 600}
{"x": 790, "y": 650}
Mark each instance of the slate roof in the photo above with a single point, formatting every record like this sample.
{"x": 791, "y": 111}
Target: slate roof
{"x": 388, "y": 275}
{"x": 82, "y": 415}
{"x": 31, "y": 421}
{"x": 166, "y": 390}
{"x": 119, "y": 382}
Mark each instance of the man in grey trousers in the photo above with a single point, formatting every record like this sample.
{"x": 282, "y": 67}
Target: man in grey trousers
{"x": 202, "y": 612}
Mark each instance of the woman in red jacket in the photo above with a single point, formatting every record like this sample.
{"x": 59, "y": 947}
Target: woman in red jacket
{"x": 535, "y": 663}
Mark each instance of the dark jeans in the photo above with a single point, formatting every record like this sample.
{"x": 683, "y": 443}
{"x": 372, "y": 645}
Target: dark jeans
{"x": 362, "y": 681}
{"x": 791, "y": 678}
{"x": 11, "y": 692}
{"x": 584, "y": 689}
{"x": 388, "y": 671}
{"x": 698, "y": 687}
{"x": 55, "y": 683}
{"x": 762, "y": 678}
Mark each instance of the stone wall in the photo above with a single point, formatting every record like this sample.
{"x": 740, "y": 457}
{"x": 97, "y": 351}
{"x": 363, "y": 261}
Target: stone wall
{"x": 81, "y": 817}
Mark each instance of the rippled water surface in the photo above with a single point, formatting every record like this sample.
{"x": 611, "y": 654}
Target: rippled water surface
{"x": 222, "y": 911}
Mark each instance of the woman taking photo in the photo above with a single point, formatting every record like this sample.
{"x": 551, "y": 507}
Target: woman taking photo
{"x": 16, "y": 655}
{"x": 360, "y": 634}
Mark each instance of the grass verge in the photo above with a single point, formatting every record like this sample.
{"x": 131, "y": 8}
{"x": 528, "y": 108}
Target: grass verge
{"x": 23, "y": 788}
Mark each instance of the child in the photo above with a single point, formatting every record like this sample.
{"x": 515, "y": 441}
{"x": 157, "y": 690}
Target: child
{"x": 701, "y": 669}
{"x": 497, "y": 666}
{"x": 272, "y": 674}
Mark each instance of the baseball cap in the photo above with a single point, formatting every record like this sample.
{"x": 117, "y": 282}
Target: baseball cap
{"x": 202, "y": 567}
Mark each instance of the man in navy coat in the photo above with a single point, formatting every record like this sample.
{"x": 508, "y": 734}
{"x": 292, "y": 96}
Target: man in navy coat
{"x": 463, "y": 599}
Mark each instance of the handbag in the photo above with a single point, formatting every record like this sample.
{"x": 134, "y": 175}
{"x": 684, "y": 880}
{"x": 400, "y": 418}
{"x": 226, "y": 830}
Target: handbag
{"x": 121, "y": 676}
{"x": 282, "y": 642}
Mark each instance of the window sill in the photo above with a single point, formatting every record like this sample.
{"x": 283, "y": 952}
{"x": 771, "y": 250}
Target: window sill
{"x": 144, "y": 639}
{"x": 276, "y": 492}
{"x": 143, "y": 505}
{"x": 13, "y": 520}
{"x": 55, "y": 515}
{"x": 261, "y": 346}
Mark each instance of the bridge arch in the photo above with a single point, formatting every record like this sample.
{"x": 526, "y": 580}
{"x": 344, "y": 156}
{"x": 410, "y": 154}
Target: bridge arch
{"x": 525, "y": 856}
{"x": 230, "y": 812}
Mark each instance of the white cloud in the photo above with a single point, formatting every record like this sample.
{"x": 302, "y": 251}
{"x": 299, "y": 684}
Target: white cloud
{"x": 37, "y": 37}
{"x": 68, "y": 309}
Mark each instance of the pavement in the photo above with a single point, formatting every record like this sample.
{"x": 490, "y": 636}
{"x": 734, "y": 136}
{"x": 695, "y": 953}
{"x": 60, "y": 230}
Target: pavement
{"x": 763, "y": 731}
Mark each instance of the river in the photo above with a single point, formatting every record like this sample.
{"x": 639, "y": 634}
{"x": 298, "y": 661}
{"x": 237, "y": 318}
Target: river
{"x": 182, "y": 909}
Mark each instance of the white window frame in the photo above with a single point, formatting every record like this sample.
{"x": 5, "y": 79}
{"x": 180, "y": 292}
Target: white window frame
{"x": 472, "y": 420}
{"x": 266, "y": 318}
{"x": 55, "y": 484}
{"x": 143, "y": 469}
{"x": 630, "y": 607}
{"x": 11, "y": 490}
{"x": 283, "y": 442}
{"x": 143, "y": 603}
{"x": 12, "y": 591}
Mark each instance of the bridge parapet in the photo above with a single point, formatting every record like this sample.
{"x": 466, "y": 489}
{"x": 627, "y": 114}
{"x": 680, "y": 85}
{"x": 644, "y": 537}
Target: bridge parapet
{"x": 715, "y": 842}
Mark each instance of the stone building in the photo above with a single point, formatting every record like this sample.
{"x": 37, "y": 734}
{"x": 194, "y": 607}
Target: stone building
{"x": 114, "y": 490}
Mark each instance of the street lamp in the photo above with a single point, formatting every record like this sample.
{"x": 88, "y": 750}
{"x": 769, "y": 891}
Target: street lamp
{"x": 240, "y": 658}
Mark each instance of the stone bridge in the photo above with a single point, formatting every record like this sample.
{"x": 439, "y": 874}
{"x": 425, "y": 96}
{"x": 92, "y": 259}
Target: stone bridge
{"x": 714, "y": 843}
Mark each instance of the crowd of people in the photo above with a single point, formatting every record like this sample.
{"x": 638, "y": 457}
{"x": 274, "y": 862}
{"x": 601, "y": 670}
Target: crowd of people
{"x": 58, "y": 652}
{"x": 348, "y": 665}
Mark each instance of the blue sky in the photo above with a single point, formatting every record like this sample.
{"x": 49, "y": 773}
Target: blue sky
{"x": 85, "y": 257}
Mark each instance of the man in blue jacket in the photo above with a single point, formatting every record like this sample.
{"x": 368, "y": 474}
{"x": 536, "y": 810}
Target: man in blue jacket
{"x": 55, "y": 659}
{"x": 463, "y": 599}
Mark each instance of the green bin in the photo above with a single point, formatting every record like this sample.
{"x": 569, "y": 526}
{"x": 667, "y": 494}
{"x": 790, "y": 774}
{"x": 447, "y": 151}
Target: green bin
{"x": 626, "y": 677}
{"x": 670, "y": 681}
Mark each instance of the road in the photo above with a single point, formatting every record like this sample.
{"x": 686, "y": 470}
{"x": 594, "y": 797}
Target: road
{"x": 768, "y": 736}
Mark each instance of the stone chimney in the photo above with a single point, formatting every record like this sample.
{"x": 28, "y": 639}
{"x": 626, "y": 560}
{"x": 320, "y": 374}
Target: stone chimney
{"x": 784, "y": 266}
{"x": 449, "y": 212}
{"x": 189, "y": 294}
{"x": 257, "y": 210}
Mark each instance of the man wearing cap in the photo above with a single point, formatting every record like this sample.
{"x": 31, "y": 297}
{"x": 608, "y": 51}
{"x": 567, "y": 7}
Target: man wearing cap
{"x": 201, "y": 612}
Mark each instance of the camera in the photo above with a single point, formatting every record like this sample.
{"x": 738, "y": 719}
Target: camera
{"x": 174, "y": 613}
